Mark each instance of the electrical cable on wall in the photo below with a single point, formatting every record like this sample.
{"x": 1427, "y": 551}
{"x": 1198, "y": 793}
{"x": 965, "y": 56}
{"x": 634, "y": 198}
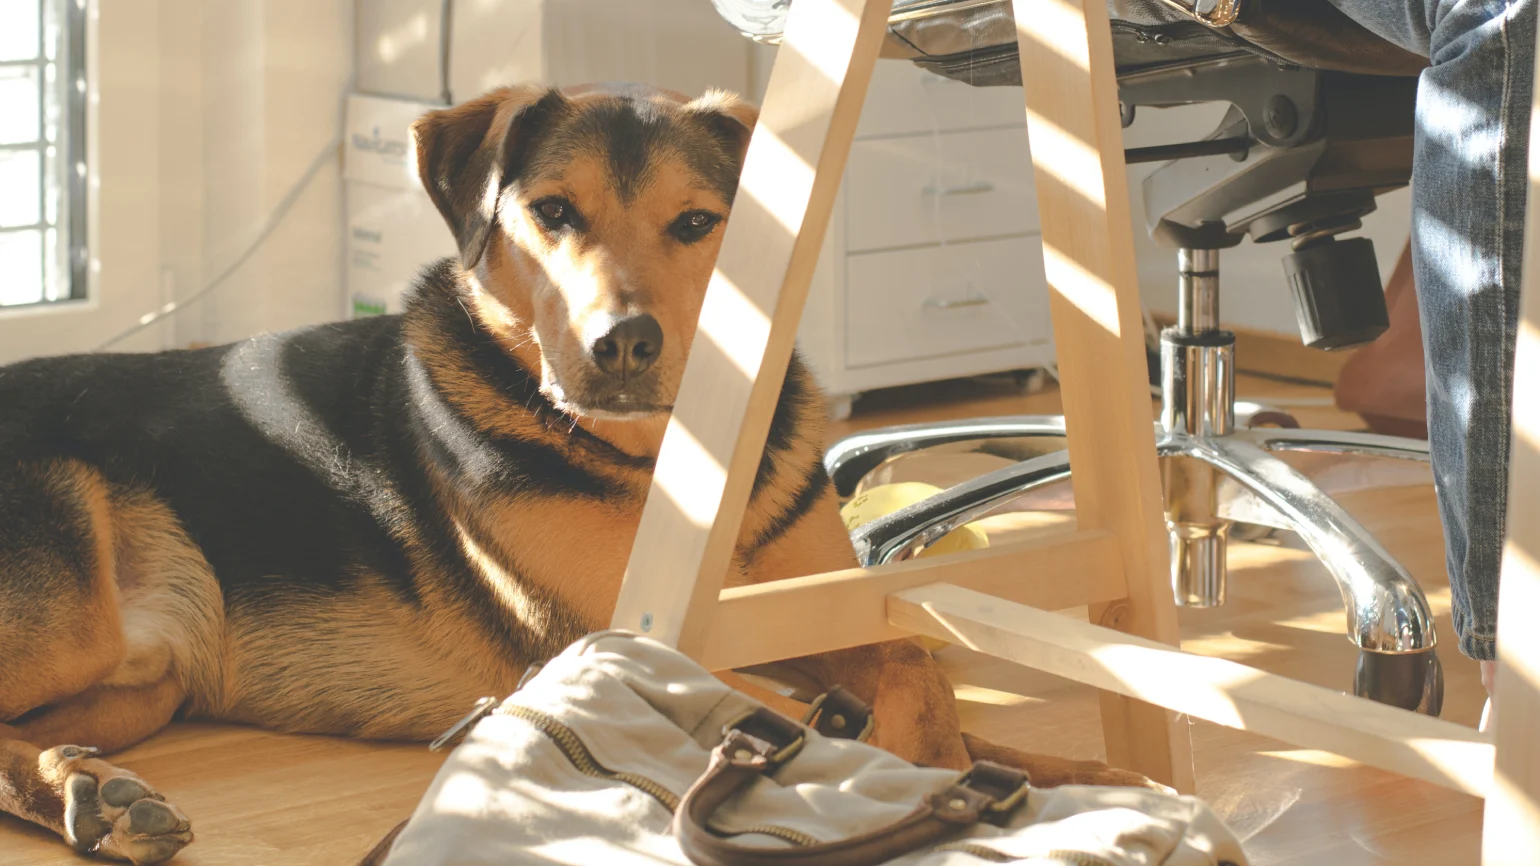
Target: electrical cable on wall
{"x": 328, "y": 155}
{"x": 445, "y": 40}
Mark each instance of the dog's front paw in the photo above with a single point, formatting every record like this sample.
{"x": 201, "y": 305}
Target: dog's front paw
{"x": 1097, "y": 773}
{"x": 1047, "y": 771}
{"x": 112, "y": 813}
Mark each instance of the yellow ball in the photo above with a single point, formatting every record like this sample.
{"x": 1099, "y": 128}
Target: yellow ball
{"x": 888, "y": 498}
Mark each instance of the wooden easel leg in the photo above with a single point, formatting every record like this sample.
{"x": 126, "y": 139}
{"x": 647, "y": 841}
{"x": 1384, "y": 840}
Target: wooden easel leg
{"x": 748, "y": 323}
{"x": 1511, "y": 833}
{"x": 1082, "y": 192}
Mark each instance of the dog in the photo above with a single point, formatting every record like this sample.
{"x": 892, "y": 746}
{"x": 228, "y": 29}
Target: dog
{"x": 358, "y": 529}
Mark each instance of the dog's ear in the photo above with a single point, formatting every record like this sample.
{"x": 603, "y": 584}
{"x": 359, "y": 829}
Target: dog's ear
{"x": 730, "y": 119}
{"x": 465, "y": 153}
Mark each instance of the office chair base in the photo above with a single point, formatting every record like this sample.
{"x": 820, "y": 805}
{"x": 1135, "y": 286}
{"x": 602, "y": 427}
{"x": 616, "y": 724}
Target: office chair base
{"x": 1387, "y": 612}
{"x": 1217, "y": 470}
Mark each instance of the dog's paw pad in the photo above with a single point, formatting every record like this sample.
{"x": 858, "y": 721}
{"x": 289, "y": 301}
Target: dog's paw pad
{"x": 155, "y": 818}
{"x": 112, "y": 813}
{"x": 124, "y": 792}
{"x": 151, "y": 831}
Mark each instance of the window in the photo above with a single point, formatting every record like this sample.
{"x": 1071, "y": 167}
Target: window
{"x": 42, "y": 151}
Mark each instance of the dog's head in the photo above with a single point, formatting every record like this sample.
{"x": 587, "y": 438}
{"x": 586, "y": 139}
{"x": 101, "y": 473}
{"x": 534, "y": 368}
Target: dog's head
{"x": 589, "y": 220}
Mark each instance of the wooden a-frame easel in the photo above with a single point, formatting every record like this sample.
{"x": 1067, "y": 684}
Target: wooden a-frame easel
{"x": 1116, "y": 562}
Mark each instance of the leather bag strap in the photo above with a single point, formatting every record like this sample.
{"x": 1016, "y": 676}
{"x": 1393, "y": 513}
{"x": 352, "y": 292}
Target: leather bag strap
{"x": 761, "y": 742}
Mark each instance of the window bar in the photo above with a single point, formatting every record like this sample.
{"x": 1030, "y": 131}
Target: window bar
{"x": 48, "y": 268}
{"x": 73, "y": 124}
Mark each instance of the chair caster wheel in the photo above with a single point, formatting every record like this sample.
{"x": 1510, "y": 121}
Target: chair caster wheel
{"x": 1411, "y": 681}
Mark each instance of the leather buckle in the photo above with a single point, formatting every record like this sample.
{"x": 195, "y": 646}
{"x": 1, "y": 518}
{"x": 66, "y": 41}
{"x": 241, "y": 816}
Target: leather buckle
{"x": 781, "y": 734}
{"x": 1214, "y": 13}
{"x": 1006, "y": 787}
{"x": 840, "y": 715}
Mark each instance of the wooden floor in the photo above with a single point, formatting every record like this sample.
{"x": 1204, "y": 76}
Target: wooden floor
{"x": 258, "y": 798}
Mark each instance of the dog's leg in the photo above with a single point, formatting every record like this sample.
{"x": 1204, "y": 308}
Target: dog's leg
{"x": 63, "y": 638}
{"x": 912, "y": 701}
{"x": 97, "y": 807}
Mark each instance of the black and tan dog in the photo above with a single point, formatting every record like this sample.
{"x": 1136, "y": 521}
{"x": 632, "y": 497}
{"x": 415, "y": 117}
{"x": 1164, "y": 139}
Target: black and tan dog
{"x": 358, "y": 529}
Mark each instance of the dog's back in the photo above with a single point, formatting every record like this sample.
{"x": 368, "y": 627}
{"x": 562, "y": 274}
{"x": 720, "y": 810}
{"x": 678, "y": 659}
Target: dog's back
{"x": 250, "y": 444}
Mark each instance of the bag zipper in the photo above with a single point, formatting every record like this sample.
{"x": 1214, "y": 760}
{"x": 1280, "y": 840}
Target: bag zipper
{"x": 576, "y": 752}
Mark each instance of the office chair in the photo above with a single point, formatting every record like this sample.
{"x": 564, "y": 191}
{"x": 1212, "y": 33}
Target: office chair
{"x": 1320, "y": 123}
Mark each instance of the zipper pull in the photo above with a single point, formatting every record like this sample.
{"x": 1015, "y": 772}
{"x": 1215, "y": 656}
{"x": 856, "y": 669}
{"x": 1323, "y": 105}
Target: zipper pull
{"x": 477, "y": 713}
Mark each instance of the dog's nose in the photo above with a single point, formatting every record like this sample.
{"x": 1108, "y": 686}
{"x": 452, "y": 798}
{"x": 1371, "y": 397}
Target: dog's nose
{"x": 628, "y": 347}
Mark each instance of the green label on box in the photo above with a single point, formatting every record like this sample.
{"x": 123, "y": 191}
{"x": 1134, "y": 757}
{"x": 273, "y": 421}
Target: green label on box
{"x": 364, "y": 307}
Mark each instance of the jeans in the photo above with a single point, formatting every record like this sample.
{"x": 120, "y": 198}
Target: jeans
{"x": 1469, "y": 183}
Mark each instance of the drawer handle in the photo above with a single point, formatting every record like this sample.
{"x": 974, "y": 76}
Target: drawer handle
{"x": 965, "y": 189}
{"x": 955, "y": 303}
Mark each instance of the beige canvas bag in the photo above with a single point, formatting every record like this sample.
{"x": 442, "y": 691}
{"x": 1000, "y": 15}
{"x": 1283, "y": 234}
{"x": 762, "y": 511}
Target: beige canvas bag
{"x": 623, "y": 752}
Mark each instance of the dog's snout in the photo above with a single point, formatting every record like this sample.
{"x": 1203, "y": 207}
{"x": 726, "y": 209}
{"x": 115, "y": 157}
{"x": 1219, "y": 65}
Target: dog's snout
{"x": 628, "y": 346}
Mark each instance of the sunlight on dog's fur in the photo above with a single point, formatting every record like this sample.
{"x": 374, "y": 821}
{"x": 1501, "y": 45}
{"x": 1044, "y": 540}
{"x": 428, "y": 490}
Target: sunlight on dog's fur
{"x": 360, "y": 528}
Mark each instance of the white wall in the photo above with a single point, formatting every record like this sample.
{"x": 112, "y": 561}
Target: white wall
{"x": 259, "y": 92}
{"x": 207, "y": 112}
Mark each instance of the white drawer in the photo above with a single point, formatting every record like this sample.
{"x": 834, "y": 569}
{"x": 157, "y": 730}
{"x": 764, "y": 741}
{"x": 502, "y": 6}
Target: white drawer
{"x": 935, "y": 188}
{"x": 904, "y": 98}
{"x": 950, "y": 300}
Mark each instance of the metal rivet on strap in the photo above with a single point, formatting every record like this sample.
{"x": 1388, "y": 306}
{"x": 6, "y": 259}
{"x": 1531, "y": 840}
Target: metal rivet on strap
{"x": 838, "y": 723}
{"x": 957, "y": 805}
{"x": 743, "y": 755}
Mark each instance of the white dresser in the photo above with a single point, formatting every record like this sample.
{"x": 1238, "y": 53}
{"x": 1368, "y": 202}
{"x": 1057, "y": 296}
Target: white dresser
{"x": 933, "y": 264}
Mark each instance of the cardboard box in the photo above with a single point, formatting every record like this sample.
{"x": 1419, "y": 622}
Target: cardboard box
{"x": 378, "y": 146}
{"x": 393, "y": 229}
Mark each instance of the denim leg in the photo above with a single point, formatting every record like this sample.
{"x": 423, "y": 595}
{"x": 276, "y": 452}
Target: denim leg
{"x": 1468, "y": 189}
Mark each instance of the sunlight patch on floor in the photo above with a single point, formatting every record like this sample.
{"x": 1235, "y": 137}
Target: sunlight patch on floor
{"x": 1313, "y": 757}
{"x": 1325, "y": 622}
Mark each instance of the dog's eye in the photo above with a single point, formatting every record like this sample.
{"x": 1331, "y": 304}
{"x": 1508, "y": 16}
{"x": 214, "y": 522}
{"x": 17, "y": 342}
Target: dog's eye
{"x": 553, "y": 213}
{"x": 693, "y": 225}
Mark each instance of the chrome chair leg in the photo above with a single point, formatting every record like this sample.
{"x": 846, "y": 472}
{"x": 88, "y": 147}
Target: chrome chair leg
{"x": 1386, "y": 610}
{"x": 1388, "y": 615}
{"x": 857, "y": 455}
{"x": 1338, "y": 442}
{"x": 906, "y": 532}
